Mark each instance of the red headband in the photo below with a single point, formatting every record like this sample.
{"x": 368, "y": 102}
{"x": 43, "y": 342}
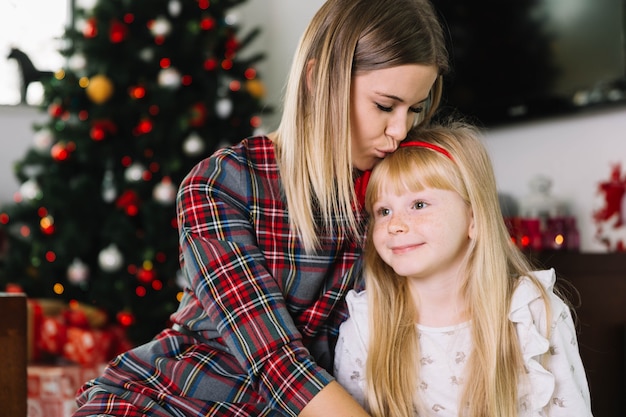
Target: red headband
{"x": 360, "y": 184}
{"x": 419, "y": 144}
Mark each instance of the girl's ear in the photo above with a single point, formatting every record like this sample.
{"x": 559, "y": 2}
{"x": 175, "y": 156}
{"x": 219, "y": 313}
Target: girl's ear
{"x": 472, "y": 227}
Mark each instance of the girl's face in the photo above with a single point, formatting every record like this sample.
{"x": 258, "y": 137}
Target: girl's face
{"x": 384, "y": 106}
{"x": 423, "y": 235}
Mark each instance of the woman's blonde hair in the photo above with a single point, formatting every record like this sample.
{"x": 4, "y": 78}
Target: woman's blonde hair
{"x": 494, "y": 265}
{"x": 344, "y": 38}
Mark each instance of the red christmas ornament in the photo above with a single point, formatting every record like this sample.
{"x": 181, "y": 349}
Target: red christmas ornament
{"x": 55, "y": 110}
{"x": 91, "y": 28}
{"x": 146, "y": 275}
{"x": 198, "y": 115}
{"x": 232, "y": 45}
{"x": 47, "y": 225}
{"x": 117, "y": 31}
{"x": 144, "y": 126}
{"x": 207, "y": 23}
{"x": 59, "y": 152}
{"x": 129, "y": 202}
{"x": 101, "y": 128}
{"x": 125, "y": 318}
{"x": 210, "y": 64}
{"x": 137, "y": 92}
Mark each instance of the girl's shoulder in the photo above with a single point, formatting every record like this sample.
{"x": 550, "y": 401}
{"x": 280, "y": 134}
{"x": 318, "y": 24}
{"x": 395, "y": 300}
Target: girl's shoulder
{"x": 528, "y": 297}
{"x": 357, "y": 303}
{"x": 357, "y": 321}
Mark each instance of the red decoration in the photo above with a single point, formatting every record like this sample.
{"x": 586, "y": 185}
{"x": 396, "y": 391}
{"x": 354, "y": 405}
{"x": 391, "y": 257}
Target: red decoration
{"x": 55, "y": 110}
{"x": 146, "y": 275}
{"x": 144, "y": 126}
{"x": 207, "y": 23}
{"x": 125, "y": 318}
{"x": 232, "y": 45}
{"x": 129, "y": 202}
{"x": 76, "y": 332}
{"x": 60, "y": 151}
{"x": 611, "y": 218}
{"x": 117, "y": 31}
{"x": 137, "y": 92}
{"x": 210, "y": 64}
{"x": 47, "y": 225}
{"x": 198, "y": 115}
{"x": 91, "y": 28}
{"x": 101, "y": 128}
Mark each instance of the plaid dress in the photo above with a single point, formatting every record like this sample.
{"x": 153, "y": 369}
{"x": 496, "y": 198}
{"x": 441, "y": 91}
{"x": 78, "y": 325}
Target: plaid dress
{"x": 267, "y": 312}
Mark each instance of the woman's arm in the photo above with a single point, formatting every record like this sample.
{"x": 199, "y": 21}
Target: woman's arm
{"x": 240, "y": 259}
{"x": 333, "y": 401}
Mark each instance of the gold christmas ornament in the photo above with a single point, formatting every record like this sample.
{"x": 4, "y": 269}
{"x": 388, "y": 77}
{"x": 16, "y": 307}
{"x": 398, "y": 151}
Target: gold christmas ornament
{"x": 99, "y": 89}
{"x": 256, "y": 88}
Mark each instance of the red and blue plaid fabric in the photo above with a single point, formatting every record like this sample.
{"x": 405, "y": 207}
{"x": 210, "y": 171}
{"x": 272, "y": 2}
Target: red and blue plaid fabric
{"x": 271, "y": 311}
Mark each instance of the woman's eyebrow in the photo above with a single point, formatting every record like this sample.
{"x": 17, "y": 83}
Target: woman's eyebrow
{"x": 398, "y": 99}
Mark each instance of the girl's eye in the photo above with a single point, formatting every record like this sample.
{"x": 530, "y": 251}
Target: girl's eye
{"x": 419, "y": 205}
{"x": 382, "y": 212}
{"x": 416, "y": 110}
{"x": 383, "y": 108}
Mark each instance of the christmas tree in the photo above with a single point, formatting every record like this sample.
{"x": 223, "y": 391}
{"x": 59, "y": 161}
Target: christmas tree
{"x": 150, "y": 87}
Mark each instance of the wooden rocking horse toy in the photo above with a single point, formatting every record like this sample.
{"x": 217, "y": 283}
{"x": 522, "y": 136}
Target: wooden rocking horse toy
{"x": 28, "y": 73}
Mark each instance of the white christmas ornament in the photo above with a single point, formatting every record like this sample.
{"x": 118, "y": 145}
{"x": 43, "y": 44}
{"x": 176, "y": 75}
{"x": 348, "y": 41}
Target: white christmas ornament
{"x": 224, "y": 107}
{"x": 77, "y": 272}
{"x": 193, "y": 145}
{"x": 31, "y": 171}
{"x": 43, "y": 140}
{"x": 134, "y": 172}
{"x": 160, "y": 26}
{"x": 110, "y": 258}
{"x": 174, "y": 8}
{"x": 108, "y": 187}
{"x": 87, "y": 4}
{"x": 77, "y": 62}
{"x": 169, "y": 77}
{"x": 165, "y": 191}
{"x": 146, "y": 54}
{"x": 231, "y": 19}
{"x": 30, "y": 190}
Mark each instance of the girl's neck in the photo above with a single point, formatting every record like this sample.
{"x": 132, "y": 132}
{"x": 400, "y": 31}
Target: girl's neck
{"x": 438, "y": 304}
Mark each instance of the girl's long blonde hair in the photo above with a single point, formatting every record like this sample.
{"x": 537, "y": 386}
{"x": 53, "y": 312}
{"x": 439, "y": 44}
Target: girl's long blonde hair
{"x": 494, "y": 265}
{"x": 344, "y": 38}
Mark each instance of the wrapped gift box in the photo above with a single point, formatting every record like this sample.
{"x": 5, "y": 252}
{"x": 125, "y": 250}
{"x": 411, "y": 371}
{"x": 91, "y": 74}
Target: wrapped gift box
{"x": 52, "y": 388}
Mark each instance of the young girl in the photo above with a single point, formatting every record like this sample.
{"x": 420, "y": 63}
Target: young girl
{"x": 453, "y": 321}
{"x": 270, "y": 230}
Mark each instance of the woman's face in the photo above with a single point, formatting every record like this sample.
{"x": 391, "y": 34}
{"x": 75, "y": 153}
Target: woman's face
{"x": 384, "y": 106}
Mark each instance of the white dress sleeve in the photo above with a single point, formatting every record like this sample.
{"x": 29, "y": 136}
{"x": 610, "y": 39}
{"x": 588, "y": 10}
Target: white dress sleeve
{"x": 351, "y": 349}
{"x": 557, "y": 384}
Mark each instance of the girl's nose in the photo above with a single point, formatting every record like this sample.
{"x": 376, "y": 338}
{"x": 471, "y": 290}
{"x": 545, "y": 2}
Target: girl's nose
{"x": 397, "y": 225}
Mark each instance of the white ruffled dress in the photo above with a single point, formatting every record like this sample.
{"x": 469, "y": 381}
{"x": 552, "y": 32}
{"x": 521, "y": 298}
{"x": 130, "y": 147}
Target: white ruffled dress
{"x": 556, "y": 387}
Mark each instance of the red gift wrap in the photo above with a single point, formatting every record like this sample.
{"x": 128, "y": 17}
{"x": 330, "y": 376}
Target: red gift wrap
{"x": 74, "y": 332}
{"x": 52, "y": 388}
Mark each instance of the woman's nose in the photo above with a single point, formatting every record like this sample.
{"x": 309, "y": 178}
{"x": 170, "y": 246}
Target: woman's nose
{"x": 398, "y": 127}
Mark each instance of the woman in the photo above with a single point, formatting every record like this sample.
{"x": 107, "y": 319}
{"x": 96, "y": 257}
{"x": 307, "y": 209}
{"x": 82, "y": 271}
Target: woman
{"x": 270, "y": 229}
